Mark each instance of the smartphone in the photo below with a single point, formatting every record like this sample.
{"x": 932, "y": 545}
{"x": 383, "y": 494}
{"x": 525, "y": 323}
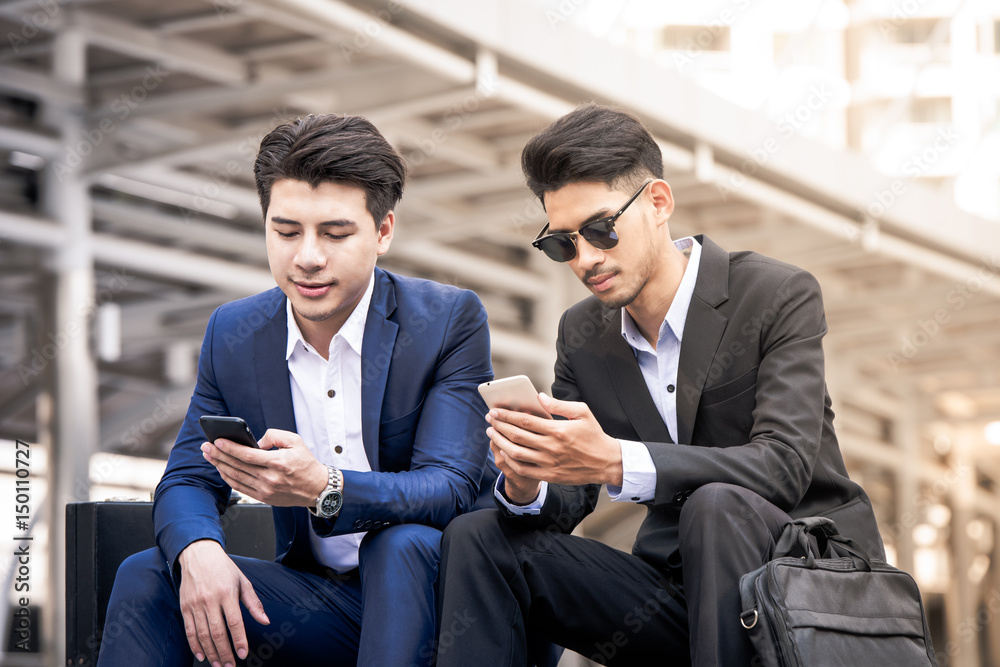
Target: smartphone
{"x": 230, "y": 428}
{"x": 513, "y": 393}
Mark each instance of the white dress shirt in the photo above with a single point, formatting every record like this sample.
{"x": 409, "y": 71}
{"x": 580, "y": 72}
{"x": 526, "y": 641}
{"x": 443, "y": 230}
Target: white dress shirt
{"x": 659, "y": 370}
{"x": 326, "y": 398}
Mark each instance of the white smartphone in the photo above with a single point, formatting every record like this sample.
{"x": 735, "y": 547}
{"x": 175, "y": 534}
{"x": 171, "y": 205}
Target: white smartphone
{"x": 513, "y": 393}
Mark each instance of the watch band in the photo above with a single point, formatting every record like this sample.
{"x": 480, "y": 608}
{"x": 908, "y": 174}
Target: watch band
{"x": 334, "y": 483}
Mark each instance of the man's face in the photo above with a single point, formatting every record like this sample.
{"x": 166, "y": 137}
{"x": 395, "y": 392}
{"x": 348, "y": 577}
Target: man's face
{"x": 321, "y": 245}
{"x": 615, "y": 276}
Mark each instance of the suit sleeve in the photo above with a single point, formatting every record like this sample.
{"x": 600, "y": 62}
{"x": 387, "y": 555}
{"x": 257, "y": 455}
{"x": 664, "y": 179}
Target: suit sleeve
{"x": 191, "y": 495}
{"x": 565, "y": 506}
{"x": 450, "y": 444}
{"x": 777, "y": 463}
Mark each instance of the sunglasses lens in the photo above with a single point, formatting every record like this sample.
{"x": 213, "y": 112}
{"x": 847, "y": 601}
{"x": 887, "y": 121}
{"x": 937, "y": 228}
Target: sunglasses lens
{"x": 601, "y": 235}
{"x": 558, "y": 248}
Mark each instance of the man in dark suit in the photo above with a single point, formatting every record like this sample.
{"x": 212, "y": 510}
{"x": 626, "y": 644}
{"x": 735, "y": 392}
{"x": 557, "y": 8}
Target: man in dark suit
{"x": 361, "y": 386}
{"x": 681, "y": 343}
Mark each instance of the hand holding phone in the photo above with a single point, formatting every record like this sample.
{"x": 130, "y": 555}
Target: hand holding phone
{"x": 230, "y": 428}
{"x": 513, "y": 393}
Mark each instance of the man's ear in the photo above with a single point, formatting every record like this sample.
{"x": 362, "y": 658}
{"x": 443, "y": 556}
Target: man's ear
{"x": 384, "y": 233}
{"x": 663, "y": 200}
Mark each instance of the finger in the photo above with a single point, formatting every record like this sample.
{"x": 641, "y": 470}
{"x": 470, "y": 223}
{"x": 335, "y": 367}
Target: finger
{"x": 253, "y": 604}
{"x": 191, "y": 631}
{"x": 277, "y": 439}
{"x": 568, "y": 409}
{"x": 234, "y": 626}
{"x": 519, "y": 436}
{"x": 520, "y": 419}
{"x": 203, "y": 629}
{"x": 236, "y": 454}
{"x": 218, "y": 627}
{"x": 513, "y": 452}
{"x": 229, "y": 476}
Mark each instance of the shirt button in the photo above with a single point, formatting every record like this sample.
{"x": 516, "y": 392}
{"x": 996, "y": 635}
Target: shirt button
{"x": 670, "y": 388}
{"x": 332, "y": 393}
{"x": 338, "y": 449}
{"x": 635, "y": 499}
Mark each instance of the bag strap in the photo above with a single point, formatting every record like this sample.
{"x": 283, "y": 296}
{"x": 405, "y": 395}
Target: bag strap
{"x": 817, "y": 537}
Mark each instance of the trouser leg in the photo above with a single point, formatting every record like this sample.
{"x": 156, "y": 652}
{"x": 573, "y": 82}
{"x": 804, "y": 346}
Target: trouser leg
{"x": 399, "y": 567}
{"x": 725, "y": 532}
{"x": 313, "y": 618}
{"x": 500, "y": 581}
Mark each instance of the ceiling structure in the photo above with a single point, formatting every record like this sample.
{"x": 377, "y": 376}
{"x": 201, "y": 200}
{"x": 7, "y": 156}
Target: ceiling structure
{"x": 128, "y": 213}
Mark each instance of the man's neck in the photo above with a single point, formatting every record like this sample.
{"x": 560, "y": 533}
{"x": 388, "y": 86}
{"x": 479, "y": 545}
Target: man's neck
{"x": 319, "y": 334}
{"x": 650, "y": 307}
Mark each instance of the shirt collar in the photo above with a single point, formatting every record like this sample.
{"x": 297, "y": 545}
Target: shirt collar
{"x": 677, "y": 313}
{"x": 352, "y": 331}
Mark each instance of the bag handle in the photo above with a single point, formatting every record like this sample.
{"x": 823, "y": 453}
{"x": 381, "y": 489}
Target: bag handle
{"x": 817, "y": 537}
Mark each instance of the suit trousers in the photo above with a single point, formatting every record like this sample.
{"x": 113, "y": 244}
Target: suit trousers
{"x": 501, "y": 580}
{"x": 380, "y": 614}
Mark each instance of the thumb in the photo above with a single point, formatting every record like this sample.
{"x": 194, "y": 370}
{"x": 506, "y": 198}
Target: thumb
{"x": 277, "y": 439}
{"x": 253, "y": 604}
{"x": 568, "y": 409}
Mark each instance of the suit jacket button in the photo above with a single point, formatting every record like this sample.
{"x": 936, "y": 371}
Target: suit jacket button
{"x": 679, "y": 497}
{"x": 358, "y": 523}
{"x": 366, "y": 524}
{"x": 376, "y": 525}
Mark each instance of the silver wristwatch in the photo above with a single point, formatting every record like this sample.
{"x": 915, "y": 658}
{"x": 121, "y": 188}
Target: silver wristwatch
{"x": 330, "y": 501}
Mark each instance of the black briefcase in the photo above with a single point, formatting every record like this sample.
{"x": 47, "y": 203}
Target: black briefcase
{"x": 822, "y": 601}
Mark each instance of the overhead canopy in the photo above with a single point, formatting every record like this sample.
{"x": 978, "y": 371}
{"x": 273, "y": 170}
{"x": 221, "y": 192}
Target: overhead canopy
{"x": 155, "y": 109}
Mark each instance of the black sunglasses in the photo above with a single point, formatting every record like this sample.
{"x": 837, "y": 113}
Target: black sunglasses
{"x": 561, "y": 246}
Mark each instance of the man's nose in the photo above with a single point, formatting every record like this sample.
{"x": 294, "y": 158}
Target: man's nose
{"x": 310, "y": 255}
{"x": 587, "y": 256}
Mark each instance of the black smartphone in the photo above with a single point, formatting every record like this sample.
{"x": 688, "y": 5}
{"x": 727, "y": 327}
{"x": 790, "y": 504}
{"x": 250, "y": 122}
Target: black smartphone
{"x": 230, "y": 428}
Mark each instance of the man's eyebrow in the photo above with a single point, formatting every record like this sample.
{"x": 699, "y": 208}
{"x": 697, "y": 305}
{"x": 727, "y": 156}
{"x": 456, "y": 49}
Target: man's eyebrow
{"x": 342, "y": 222}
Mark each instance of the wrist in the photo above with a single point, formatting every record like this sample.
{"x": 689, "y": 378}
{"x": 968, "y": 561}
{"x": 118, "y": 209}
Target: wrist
{"x": 521, "y": 494}
{"x": 194, "y": 550}
{"x": 615, "y": 467}
{"x": 318, "y": 480}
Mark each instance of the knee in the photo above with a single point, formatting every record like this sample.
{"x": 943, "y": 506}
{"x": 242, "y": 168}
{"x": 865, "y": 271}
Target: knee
{"x": 406, "y": 542}
{"x": 142, "y": 577}
{"x": 718, "y": 504}
{"x": 471, "y": 528}
{"x": 146, "y": 570}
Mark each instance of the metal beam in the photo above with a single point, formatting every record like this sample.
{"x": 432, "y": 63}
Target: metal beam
{"x": 30, "y": 140}
{"x": 173, "y": 53}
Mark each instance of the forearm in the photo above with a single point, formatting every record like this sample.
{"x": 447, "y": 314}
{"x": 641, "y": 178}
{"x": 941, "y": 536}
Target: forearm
{"x": 427, "y": 496}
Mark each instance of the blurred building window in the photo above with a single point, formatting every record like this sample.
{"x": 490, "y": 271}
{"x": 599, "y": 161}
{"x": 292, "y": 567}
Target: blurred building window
{"x": 930, "y": 110}
{"x": 697, "y": 37}
{"x": 919, "y": 31}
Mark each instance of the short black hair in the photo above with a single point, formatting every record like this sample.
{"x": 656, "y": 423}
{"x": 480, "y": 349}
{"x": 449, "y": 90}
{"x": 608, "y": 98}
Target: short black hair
{"x": 332, "y": 148}
{"x": 592, "y": 143}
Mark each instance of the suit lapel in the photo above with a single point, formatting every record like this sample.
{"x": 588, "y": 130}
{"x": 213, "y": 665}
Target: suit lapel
{"x": 702, "y": 333}
{"x": 629, "y": 384}
{"x": 376, "y": 355}
{"x": 273, "y": 384}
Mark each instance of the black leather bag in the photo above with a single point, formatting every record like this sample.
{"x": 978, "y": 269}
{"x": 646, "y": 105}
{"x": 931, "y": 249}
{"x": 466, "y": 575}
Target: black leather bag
{"x": 822, "y": 601}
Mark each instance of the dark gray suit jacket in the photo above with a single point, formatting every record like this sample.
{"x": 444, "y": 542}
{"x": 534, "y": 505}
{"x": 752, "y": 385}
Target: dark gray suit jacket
{"x": 752, "y": 405}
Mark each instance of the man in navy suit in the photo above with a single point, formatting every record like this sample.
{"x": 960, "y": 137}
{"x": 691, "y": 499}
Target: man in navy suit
{"x": 361, "y": 388}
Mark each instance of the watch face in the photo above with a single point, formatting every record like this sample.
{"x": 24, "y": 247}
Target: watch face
{"x": 331, "y": 503}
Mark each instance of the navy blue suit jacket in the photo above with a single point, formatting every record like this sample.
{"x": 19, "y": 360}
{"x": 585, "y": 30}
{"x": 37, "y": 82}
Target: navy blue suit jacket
{"x": 425, "y": 349}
